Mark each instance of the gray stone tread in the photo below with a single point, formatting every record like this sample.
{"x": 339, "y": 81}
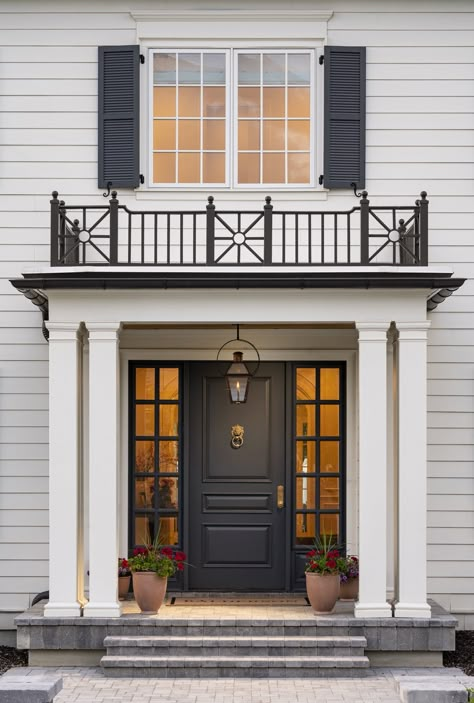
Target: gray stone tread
{"x": 226, "y": 662}
{"x": 229, "y": 640}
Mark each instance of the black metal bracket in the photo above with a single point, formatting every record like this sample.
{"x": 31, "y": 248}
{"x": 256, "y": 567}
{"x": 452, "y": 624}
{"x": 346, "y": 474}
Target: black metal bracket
{"x": 142, "y": 178}
{"x": 321, "y": 59}
{"x": 354, "y": 187}
{"x": 142, "y": 58}
{"x": 108, "y": 186}
{"x": 321, "y": 179}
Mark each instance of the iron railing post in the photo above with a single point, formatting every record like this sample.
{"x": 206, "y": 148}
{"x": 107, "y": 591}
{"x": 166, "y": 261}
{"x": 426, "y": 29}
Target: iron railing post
{"x": 364, "y": 228}
{"x": 211, "y": 231}
{"x": 423, "y": 205}
{"x": 267, "y": 231}
{"x": 113, "y": 252}
{"x": 54, "y": 229}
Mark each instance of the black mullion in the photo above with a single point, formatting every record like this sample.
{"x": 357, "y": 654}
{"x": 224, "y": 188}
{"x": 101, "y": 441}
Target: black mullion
{"x": 318, "y": 449}
{"x": 156, "y": 522}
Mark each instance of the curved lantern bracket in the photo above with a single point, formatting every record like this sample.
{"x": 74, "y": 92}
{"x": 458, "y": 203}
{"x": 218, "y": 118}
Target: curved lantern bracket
{"x": 238, "y": 375}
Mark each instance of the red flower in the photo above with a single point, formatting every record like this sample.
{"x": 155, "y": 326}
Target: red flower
{"x": 180, "y": 566}
{"x": 167, "y": 552}
{"x": 139, "y": 550}
{"x": 331, "y": 564}
{"x": 124, "y": 564}
{"x": 180, "y": 556}
{"x": 311, "y": 553}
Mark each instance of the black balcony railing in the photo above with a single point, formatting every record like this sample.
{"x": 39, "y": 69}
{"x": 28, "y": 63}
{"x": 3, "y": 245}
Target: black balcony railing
{"x": 111, "y": 234}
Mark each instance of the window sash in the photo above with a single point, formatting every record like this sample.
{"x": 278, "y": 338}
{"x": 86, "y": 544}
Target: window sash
{"x": 231, "y": 120}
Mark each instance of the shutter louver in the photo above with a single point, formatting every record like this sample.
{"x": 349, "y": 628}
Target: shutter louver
{"x": 119, "y": 79}
{"x": 344, "y": 116}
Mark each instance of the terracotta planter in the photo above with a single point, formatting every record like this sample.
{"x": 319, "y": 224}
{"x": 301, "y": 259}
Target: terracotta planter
{"x": 349, "y": 589}
{"x": 323, "y": 591}
{"x": 149, "y": 590}
{"x": 124, "y": 585}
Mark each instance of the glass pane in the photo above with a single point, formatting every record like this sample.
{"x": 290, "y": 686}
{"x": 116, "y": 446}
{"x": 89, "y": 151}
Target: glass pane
{"x": 213, "y": 134}
{"x": 305, "y": 457}
{"x": 305, "y": 528}
{"x": 274, "y": 135}
{"x": 168, "y": 420}
{"x": 168, "y": 457}
{"x": 329, "y": 527}
{"x": 214, "y": 68}
{"x": 329, "y": 420}
{"x": 144, "y": 492}
{"x": 169, "y": 530}
{"x": 164, "y": 68}
{"x": 164, "y": 134}
{"x": 249, "y": 168}
{"x": 305, "y": 384}
{"x": 189, "y": 68}
{"x": 145, "y": 420}
{"x": 144, "y": 384}
{"x": 189, "y": 101}
{"x": 249, "y": 102}
{"x": 273, "y": 102}
{"x": 249, "y": 69}
{"x": 305, "y": 420}
{"x": 164, "y": 102}
{"x": 329, "y": 457}
{"x": 298, "y": 102}
{"x": 329, "y": 493}
{"x": 168, "y": 493}
{"x": 298, "y": 168}
{"x": 249, "y": 134}
{"x": 189, "y": 134}
{"x": 188, "y": 168}
{"x": 169, "y": 384}
{"x": 213, "y": 168}
{"x": 305, "y": 493}
{"x": 213, "y": 104}
{"x": 299, "y": 69}
{"x": 144, "y": 529}
{"x": 274, "y": 69}
{"x": 274, "y": 168}
{"x": 164, "y": 168}
{"x": 298, "y": 135}
{"x": 329, "y": 384}
{"x": 144, "y": 456}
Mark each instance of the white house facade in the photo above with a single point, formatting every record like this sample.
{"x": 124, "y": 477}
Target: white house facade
{"x": 300, "y": 178}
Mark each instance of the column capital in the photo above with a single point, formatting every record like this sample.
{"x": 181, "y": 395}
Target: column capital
{"x": 103, "y": 331}
{"x": 63, "y": 331}
{"x": 372, "y": 331}
{"x": 413, "y": 331}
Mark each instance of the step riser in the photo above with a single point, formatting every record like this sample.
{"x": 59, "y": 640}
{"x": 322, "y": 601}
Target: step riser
{"x": 236, "y": 651}
{"x": 237, "y": 631}
{"x": 234, "y": 673}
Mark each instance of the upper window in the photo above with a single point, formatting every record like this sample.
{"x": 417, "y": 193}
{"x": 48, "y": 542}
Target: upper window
{"x": 232, "y": 118}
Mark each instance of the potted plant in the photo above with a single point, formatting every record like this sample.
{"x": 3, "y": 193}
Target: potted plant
{"x": 151, "y": 566}
{"x": 349, "y": 579}
{"x": 323, "y": 568}
{"x": 123, "y": 578}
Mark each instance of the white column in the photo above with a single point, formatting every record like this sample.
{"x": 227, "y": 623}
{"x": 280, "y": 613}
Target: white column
{"x": 64, "y": 470}
{"x": 412, "y": 482}
{"x": 372, "y": 470}
{"x": 103, "y": 469}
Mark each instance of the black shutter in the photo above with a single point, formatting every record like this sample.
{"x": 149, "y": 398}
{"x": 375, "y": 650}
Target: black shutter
{"x": 119, "y": 116}
{"x": 344, "y": 116}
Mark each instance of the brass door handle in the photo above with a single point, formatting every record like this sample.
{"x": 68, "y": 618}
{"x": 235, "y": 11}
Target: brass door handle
{"x": 280, "y": 496}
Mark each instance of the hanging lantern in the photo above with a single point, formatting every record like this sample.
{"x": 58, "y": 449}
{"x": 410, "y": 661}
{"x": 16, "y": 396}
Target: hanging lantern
{"x": 238, "y": 375}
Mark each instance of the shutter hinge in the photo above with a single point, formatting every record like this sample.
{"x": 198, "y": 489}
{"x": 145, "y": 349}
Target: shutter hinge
{"x": 321, "y": 179}
{"x": 142, "y": 178}
{"x": 142, "y": 58}
{"x": 321, "y": 59}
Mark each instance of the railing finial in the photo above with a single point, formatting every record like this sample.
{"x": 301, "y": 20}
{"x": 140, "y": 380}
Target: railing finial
{"x": 364, "y": 195}
{"x": 210, "y": 199}
{"x": 55, "y": 194}
{"x": 114, "y": 195}
{"x": 423, "y": 194}
{"x": 268, "y": 199}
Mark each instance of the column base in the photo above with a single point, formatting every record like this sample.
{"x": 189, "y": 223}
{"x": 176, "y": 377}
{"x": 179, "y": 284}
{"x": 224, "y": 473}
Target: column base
{"x": 102, "y": 610}
{"x": 62, "y": 610}
{"x": 372, "y": 610}
{"x": 412, "y": 610}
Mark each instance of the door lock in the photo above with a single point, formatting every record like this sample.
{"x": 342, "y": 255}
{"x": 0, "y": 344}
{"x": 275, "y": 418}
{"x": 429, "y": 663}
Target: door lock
{"x": 280, "y": 496}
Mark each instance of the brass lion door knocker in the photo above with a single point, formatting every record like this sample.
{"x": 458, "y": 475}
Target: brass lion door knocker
{"x": 237, "y": 434}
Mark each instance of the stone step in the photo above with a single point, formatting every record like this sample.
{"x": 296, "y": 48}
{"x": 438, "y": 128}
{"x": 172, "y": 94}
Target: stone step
{"x": 231, "y": 646}
{"x": 233, "y": 667}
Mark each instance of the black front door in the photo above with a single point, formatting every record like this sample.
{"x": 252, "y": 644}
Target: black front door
{"x": 237, "y": 529}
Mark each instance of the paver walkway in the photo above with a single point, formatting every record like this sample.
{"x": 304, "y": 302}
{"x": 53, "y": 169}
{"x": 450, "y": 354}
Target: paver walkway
{"x": 89, "y": 685}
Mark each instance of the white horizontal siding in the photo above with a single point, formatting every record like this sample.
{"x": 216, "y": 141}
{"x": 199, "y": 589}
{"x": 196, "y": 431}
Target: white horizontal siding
{"x": 420, "y": 136}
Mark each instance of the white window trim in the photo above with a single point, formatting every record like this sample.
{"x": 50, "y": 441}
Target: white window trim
{"x": 284, "y": 29}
